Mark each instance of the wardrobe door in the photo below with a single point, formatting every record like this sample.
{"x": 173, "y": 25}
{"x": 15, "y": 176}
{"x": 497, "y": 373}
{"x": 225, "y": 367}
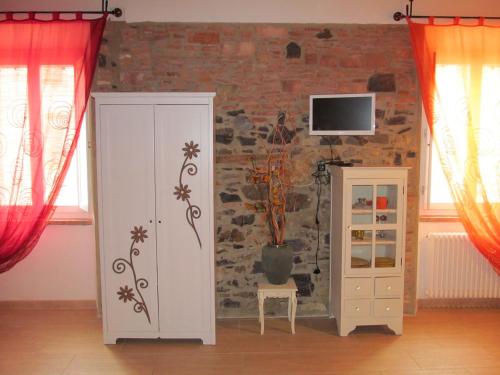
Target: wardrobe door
{"x": 182, "y": 203}
{"x": 126, "y": 200}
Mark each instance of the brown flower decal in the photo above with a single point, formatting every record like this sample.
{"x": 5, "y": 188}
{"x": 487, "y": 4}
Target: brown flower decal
{"x": 182, "y": 192}
{"x": 138, "y": 234}
{"x": 126, "y": 294}
{"x": 191, "y": 150}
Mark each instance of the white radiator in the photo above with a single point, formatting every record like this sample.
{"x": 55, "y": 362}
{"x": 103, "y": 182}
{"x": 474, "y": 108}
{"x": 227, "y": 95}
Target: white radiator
{"x": 451, "y": 267}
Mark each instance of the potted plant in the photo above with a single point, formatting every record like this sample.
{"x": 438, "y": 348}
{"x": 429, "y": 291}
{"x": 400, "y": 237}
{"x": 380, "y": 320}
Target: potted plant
{"x": 272, "y": 177}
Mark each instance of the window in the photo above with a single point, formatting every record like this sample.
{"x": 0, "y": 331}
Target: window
{"x": 73, "y": 198}
{"x": 436, "y": 195}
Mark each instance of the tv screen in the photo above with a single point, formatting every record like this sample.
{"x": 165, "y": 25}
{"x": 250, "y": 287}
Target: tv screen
{"x": 348, "y": 114}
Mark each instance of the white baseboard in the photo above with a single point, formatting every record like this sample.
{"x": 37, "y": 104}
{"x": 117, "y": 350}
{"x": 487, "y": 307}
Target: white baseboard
{"x": 459, "y": 303}
{"x": 49, "y": 305}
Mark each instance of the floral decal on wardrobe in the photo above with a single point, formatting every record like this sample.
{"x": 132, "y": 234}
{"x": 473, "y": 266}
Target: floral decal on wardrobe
{"x": 126, "y": 293}
{"x": 182, "y": 191}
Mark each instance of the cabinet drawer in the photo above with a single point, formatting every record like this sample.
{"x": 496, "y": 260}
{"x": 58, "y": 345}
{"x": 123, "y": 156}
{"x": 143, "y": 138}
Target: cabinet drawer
{"x": 358, "y": 287}
{"x": 388, "y": 286}
{"x": 388, "y": 307}
{"x": 357, "y": 307}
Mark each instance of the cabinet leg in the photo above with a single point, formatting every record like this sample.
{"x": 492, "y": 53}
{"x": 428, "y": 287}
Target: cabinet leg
{"x": 396, "y": 326}
{"x": 208, "y": 340}
{"x": 293, "y": 302}
{"x": 109, "y": 340}
{"x": 345, "y": 329}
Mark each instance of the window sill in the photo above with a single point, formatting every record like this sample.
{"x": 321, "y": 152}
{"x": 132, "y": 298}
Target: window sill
{"x": 439, "y": 218}
{"x": 71, "y": 215}
{"x": 76, "y": 221}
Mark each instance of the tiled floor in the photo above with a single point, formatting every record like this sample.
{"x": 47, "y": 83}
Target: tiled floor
{"x": 434, "y": 342}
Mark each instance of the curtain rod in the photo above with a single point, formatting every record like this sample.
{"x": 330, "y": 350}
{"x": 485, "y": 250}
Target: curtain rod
{"x": 117, "y": 12}
{"x": 398, "y": 16}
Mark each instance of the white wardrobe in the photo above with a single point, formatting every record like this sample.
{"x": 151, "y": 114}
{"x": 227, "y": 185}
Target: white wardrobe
{"x": 155, "y": 214}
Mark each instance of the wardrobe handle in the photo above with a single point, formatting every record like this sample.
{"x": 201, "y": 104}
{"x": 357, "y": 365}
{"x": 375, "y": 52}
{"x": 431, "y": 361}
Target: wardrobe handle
{"x": 150, "y": 221}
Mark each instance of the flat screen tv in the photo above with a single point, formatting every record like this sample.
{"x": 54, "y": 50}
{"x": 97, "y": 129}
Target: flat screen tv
{"x": 345, "y": 114}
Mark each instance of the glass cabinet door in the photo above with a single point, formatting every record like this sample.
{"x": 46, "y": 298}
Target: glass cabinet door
{"x": 374, "y": 237}
{"x": 362, "y": 204}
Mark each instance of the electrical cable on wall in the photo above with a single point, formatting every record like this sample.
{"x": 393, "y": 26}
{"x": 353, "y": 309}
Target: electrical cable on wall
{"x": 321, "y": 177}
{"x": 318, "y": 197}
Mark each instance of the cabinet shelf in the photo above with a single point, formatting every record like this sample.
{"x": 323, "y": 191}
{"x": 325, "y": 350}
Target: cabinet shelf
{"x": 361, "y": 211}
{"x": 386, "y": 211}
{"x": 385, "y": 242}
{"x": 361, "y": 242}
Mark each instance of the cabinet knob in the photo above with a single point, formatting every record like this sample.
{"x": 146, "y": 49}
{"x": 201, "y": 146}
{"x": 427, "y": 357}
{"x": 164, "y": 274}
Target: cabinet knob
{"x": 357, "y": 308}
{"x": 389, "y": 287}
{"x": 349, "y": 227}
{"x": 358, "y": 287}
{"x": 159, "y": 221}
{"x": 150, "y": 221}
{"x": 387, "y": 308}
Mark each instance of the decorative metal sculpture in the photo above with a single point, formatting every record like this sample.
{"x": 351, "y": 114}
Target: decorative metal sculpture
{"x": 120, "y": 265}
{"x": 182, "y": 191}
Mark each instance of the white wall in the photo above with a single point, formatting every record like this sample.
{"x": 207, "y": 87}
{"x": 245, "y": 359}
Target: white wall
{"x": 286, "y": 11}
{"x": 61, "y": 267}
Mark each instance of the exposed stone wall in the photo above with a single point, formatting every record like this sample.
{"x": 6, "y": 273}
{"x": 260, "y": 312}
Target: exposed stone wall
{"x": 258, "y": 70}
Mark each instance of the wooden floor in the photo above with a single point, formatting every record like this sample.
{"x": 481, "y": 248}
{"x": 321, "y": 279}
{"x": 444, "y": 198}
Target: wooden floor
{"x": 434, "y": 342}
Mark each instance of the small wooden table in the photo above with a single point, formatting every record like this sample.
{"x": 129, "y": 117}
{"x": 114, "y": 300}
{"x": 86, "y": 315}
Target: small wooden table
{"x": 288, "y": 290}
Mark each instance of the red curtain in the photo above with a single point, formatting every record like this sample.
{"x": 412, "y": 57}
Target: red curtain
{"x": 46, "y": 71}
{"x": 459, "y": 72}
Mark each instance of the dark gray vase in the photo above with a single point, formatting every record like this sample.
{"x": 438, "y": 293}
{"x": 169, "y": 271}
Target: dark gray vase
{"x": 277, "y": 262}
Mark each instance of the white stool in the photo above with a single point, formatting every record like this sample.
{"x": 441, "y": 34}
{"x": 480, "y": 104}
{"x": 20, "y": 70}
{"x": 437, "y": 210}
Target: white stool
{"x": 288, "y": 290}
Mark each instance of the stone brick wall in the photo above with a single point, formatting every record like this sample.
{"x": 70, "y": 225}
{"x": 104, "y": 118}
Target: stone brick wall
{"x": 258, "y": 70}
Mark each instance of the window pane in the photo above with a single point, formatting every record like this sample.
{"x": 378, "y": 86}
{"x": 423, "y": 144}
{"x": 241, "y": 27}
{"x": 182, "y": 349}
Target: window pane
{"x": 451, "y": 81}
{"x": 14, "y": 131}
{"x": 488, "y": 137}
{"x": 439, "y": 189}
{"x": 57, "y": 115}
{"x": 453, "y": 109}
{"x": 58, "y": 119}
{"x": 74, "y": 191}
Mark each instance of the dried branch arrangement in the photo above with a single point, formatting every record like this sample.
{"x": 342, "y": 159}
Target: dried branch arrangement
{"x": 272, "y": 178}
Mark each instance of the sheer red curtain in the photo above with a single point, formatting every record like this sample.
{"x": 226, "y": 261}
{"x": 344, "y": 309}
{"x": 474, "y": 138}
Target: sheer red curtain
{"x": 46, "y": 71}
{"x": 459, "y": 72}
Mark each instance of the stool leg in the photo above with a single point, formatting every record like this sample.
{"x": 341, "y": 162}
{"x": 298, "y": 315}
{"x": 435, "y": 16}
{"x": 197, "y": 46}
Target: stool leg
{"x": 294, "y": 311}
{"x": 261, "y": 314}
{"x": 290, "y": 302}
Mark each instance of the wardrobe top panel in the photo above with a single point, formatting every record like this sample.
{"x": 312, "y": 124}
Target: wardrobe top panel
{"x": 153, "y": 97}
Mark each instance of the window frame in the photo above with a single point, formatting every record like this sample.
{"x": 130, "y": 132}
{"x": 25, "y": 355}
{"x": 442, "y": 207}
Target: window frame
{"x": 427, "y": 209}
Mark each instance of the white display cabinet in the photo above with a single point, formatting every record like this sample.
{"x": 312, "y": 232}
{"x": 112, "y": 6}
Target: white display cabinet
{"x": 367, "y": 247}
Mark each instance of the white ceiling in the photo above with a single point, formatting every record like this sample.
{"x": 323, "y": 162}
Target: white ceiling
{"x": 277, "y": 11}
